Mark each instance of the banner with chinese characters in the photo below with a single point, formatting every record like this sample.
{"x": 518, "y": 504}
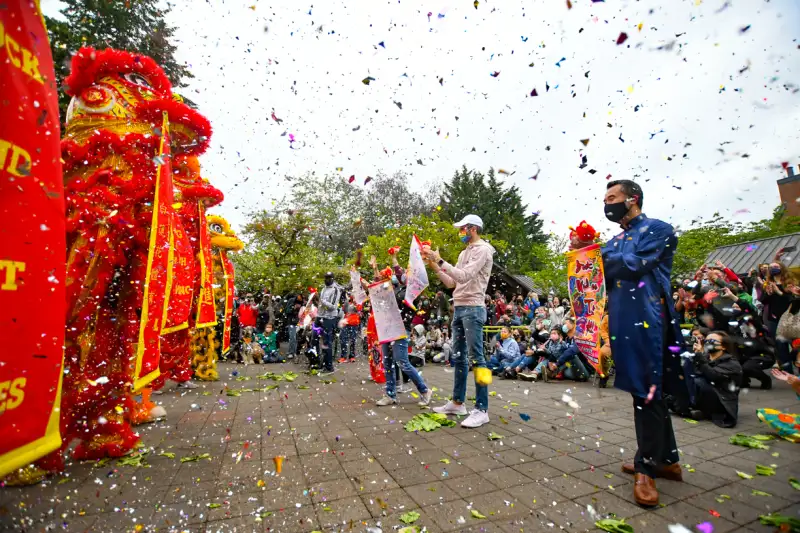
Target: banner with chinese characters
{"x": 587, "y": 296}
{"x": 157, "y": 285}
{"x": 388, "y": 323}
{"x": 32, "y": 264}
{"x": 227, "y": 268}
{"x": 206, "y": 311}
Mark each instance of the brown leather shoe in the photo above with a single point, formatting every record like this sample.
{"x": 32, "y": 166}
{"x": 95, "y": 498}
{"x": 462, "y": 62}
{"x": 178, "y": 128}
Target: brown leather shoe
{"x": 671, "y": 472}
{"x": 644, "y": 491}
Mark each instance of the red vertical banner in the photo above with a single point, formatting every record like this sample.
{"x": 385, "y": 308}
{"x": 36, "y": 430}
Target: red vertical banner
{"x": 32, "y": 243}
{"x": 227, "y": 269}
{"x": 158, "y": 281}
{"x": 206, "y": 311}
{"x": 179, "y": 307}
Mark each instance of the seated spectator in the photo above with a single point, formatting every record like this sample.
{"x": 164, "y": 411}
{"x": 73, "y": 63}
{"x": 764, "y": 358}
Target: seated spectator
{"x": 553, "y": 349}
{"x": 505, "y": 352}
{"x": 570, "y": 362}
{"x": 513, "y": 312}
{"x": 522, "y": 363}
{"x": 268, "y": 340}
{"x": 444, "y": 355}
{"x": 717, "y": 378}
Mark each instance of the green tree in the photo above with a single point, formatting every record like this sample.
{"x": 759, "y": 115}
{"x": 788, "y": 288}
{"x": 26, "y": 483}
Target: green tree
{"x": 132, "y": 25}
{"x": 552, "y": 274}
{"x": 441, "y": 234}
{"x": 503, "y": 214}
{"x": 343, "y": 215}
{"x": 279, "y": 255}
{"x": 703, "y": 236}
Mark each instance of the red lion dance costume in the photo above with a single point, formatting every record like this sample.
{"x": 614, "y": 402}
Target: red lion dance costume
{"x": 124, "y": 239}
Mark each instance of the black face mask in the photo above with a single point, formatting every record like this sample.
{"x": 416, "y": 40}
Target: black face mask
{"x": 328, "y": 282}
{"x": 616, "y": 212}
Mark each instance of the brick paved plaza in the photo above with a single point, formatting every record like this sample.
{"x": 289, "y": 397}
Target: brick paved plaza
{"x": 350, "y": 466}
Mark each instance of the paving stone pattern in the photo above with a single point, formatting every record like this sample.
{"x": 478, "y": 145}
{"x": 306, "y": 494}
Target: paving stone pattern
{"x": 350, "y": 466}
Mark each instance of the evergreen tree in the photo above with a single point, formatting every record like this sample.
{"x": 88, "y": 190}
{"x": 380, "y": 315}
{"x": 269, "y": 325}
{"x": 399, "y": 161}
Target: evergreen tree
{"x": 504, "y": 215}
{"x": 133, "y": 25}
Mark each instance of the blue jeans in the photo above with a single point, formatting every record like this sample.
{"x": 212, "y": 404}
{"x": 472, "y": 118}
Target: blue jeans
{"x": 292, "y": 339}
{"x": 523, "y": 362}
{"x": 326, "y": 342}
{"x": 467, "y": 331}
{"x": 495, "y": 363}
{"x": 397, "y": 351}
{"x": 571, "y": 356}
{"x": 349, "y": 337}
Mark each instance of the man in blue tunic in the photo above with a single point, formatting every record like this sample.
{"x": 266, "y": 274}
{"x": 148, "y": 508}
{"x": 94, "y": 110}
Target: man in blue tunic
{"x": 644, "y": 331}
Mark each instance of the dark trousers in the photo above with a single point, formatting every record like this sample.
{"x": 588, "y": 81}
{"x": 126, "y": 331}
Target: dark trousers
{"x": 326, "y": 341}
{"x": 654, "y": 436}
{"x": 753, "y": 367}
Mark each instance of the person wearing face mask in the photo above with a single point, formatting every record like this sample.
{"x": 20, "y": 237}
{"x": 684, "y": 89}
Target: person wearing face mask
{"x": 717, "y": 378}
{"x": 469, "y": 278}
{"x": 328, "y": 314}
{"x": 643, "y": 331}
{"x": 776, "y": 298}
{"x": 505, "y": 352}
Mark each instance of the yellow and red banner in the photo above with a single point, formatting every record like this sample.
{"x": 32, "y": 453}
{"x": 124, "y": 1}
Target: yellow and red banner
{"x": 227, "y": 269}
{"x": 33, "y": 241}
{"x": 158, "y": 283}
{"x": 587, "y": 295}
{"x": 206, "y": 311}
{"x": 182, "y": 267}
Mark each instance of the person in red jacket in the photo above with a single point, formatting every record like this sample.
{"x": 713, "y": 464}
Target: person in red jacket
{"x": 248, "y": 312}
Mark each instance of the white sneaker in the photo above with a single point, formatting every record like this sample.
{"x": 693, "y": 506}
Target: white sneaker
{"x": 451, "y": 409}
{"x": 438, "y": 358}
{"x": 426, "y": 398}
{"x": 187, "y": 385}
{"x": 476, "y": 419}
{"x": 157, "y": 412}
{"x": 403, "y": 388}
{"x": 386, "y": 400}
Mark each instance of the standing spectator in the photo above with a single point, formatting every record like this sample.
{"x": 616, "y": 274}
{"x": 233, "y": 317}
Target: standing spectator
{"x": 352, "y": 321}
{"x": 469, "y": 277}
{"x": 555, "y": 311}
{"x": 488, "y": 303}
{"x": 642, "y": 328}
{"x": 776, "y": 299}
{"x": 499, "y": 305}
{"x": 294, "y": 303}
{"x": 329, "y": 313}
{"x": 530, "y": 305}
{"x": 248, "y": 312}
{"x": 441, "y": 309}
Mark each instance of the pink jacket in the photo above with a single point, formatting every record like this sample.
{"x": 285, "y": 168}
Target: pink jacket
{"x": 470, "y": 276}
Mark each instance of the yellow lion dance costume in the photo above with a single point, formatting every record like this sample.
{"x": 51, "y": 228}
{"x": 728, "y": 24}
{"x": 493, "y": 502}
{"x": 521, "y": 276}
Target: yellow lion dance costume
{"x": 206, "y": 342}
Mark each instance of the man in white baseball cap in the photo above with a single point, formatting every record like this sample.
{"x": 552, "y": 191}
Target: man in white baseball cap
{"x": 469, "y": 279}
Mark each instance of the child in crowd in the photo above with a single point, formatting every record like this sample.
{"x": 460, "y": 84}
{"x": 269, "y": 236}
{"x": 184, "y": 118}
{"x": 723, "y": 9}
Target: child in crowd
{"x": 350, "y": 327}
{"x": 554, "y": 347}
{"x": 268, "y": 340}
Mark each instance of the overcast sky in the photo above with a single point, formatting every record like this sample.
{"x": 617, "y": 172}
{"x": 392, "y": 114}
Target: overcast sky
{"x": 704, "y": 97}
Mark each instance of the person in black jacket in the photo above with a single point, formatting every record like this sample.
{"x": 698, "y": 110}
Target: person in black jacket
{"x": 717, "y": 378}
